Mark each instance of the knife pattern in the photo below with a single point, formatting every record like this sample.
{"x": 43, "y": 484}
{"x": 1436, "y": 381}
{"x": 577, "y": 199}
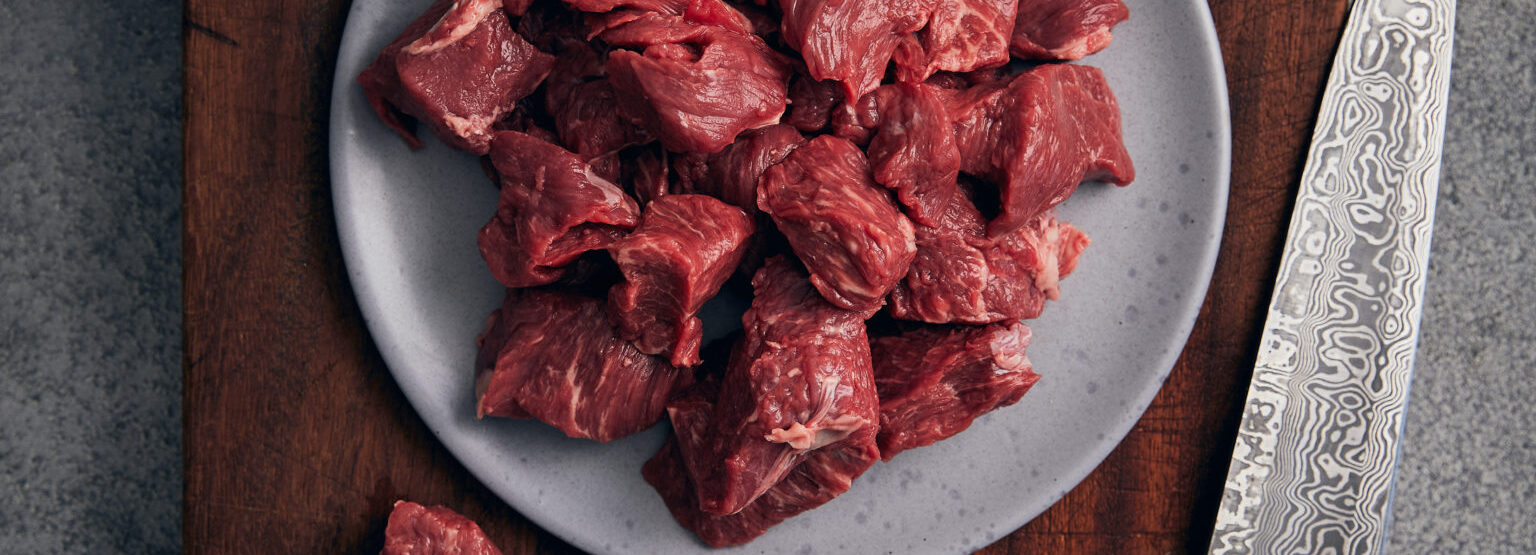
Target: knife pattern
{"x": 1313, "y": 466}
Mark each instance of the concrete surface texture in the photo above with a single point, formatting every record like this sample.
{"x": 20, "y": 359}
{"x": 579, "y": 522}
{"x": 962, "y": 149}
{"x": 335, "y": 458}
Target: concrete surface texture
{"x": 90, "y": 277}
{"x": 90, "y": 255}
{"x": 1467, "y": 478}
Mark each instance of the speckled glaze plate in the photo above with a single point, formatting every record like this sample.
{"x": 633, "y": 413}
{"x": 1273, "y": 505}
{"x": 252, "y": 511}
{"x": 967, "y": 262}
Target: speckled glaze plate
{"x": 407, "y": 222}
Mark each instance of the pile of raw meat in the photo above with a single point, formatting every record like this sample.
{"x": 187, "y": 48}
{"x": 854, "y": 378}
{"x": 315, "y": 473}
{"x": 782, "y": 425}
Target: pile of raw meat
{"x": 879, "y": 175}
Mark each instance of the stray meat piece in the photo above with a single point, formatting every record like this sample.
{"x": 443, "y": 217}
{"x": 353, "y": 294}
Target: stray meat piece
{"x": 797, "y": 383}
{"x": 458, "y": 69}
{"x": 1038, "y": 135}
{"x": 695, "y": 86}
{"x": 552, "y": 209}
{"x": 684, "y": 249}
{"x": 962, "y": 276}
{"x": 823, "y": 475}
{"x": 1065, "y": 29}
{"x": 553, "y": 356}
{"x": 436, "y": 530}
{"x": 843, "y": 226}
{"x": 934, "y": 382}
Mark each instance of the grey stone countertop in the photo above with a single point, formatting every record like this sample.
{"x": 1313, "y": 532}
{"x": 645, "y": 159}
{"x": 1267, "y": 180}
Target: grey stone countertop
{"x": 90, "y": 256}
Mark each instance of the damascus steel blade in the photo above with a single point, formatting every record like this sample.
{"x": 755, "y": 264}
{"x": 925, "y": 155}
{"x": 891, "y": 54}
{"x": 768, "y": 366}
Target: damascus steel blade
{"x": 1312, "y": 470}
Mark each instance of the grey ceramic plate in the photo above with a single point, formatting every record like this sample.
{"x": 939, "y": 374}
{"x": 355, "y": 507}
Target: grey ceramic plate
{"x": 407, "y": 222}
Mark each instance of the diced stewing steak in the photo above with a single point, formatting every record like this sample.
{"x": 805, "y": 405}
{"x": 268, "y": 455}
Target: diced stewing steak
{"x": 695, "y": 86}
{"x": 1038, "y": 135}
{"x": 458, "y": 69}
{"x": 552, "y": 209}
{"x": 684, "y": 249}
{"x": 961, "y": 36}
{"x": 851, "y": 41}
{"x": 824, "y": 474}
{"x": 798, "y": 382}
{"x": 843, "y": 226}
{"x": 553, "y": 356}
{"x": 436, "y": 530}
{"x": 934, "y": 382}
{"x": 732, "y": 174}
{"x": 913, "y": 147}
{"x": 811, "y": 102}
{"x": 960, "y": 275}
{"x": 1065, "y": 29}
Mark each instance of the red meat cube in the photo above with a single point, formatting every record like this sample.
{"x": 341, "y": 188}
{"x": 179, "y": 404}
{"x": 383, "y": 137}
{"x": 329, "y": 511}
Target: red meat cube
{"x": 458, "y": 69}
{"x": 1065, "y": 29}
{"x": 934, "y": 382}
{"x": 437, "y": 530}
{"x": 842, "y": 225}
{"x": 1038, "y": 135}
{"x": 552, "y": 209}
{"x": 684, "y": 249}
{"x": 553, "y": 356}
{"x": 798, "y": 383}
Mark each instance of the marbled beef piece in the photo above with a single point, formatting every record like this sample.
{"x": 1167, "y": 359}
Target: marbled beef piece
{"x": 673, "y": 7}
{"x": 732, "y": 174}
{"x": 584, "y": 105}
{"x": 458, "y": 69}
{"x": 823, "y": 475}
{"x": 677, "y": 258}
{"x": 646, "y": 171}
{"x": 1065, "y": 29}
{"x": 695, "y": 86}
{"x": 553, "y": 356}
{"x": 552, "y": 209}
{"x": 851, "y": 41}
{"x": 811, "y": 103}
{"x": 934, "y": 382}
{"x": 436, "y": 530}
{"x": 962, "y": 276}
{"x": 912, "y": 150}
{"x": 961, "y": 36}
{"x": 798, "y": 382}
{"x": 1038, "y": 135}
{"x": 843, "y": 226}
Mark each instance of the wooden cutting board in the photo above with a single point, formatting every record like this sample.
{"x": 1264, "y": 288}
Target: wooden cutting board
{"x": 297, "y": 440}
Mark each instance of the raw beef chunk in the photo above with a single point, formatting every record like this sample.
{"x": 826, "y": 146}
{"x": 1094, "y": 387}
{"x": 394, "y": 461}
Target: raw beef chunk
{"x": 845, "y": 229}
{"x": 934, "y": 382}
{"x": 961, "y": 36}
{"x": 913, "y": 148}
{"x": 417, "y": 530}
{"x": 695, "y": 86}
{"x": 961, "y": 275}
{"x": 678, "y": 257}
{"x": 732, "y": 174}
{"x": 458, "y": 68}
{"x": 811, "y": 103}
{"x": 673, "y": 7}
{"x": 823, "y": 475}
{"x": 588, "y": 121}
{"x": 1038, "y": 135}
{"x": 851, "y": 41}
{"x": 553, "y": 356}
{"x": 1065, "y": 29}
{"x": 798, "y": 382}
{"x": 552, "y": 209}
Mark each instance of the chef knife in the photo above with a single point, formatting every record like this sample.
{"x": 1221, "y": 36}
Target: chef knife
{"x": 1312, "y": 469}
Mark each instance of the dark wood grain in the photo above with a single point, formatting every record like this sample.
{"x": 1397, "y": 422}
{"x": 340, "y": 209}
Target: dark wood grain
{"x": 298, "y": 441}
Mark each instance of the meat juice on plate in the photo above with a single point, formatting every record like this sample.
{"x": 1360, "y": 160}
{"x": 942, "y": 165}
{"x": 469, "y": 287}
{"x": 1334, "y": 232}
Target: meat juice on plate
{"x": 836, "y": 162}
